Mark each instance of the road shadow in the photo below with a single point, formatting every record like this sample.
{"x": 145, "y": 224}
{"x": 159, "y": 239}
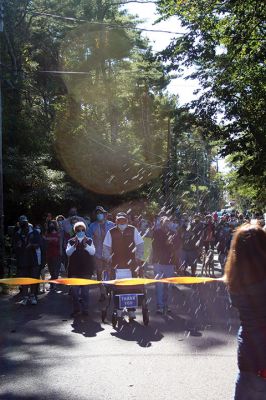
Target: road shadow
{"x": 196, "y": 310}
{"x": 200, "y": 314}
{"x": 135, "y": 332}
{"x": 7, "y": 395}
{"x": 86, "y": 326}
{"x": 26, "y": 336}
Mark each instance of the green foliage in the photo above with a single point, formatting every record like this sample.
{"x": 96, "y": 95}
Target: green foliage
{"x": 225, "y": 45}
{"x": 79, "y": 138}
{"x": 192, "y": 179}
{"x": 62, "y": 126}
{"x": 248, "y": 192}
{"x": 152, "y": 209}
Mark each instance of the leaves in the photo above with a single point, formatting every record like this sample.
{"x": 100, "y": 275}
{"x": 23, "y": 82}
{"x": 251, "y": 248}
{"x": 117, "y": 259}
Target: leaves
{"x": 225, "y": 43}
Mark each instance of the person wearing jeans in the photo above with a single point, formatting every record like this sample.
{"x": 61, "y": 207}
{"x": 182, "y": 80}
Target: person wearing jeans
{"x": 80, "y": 299}
{"x": 163, "y": 271}
{"x": 80, "y": 250}
{"x": 163, "y": 250}
{"x": 245, "y": 273}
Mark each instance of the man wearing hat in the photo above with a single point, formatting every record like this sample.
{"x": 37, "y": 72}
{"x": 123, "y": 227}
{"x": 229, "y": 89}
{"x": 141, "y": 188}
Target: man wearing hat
{"x": 80, "y": 251}
{"x": 123, "y": 246}
{"x": 97, "y": 231}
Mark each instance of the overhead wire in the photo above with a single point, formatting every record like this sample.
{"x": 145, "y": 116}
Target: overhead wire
{"x": 107, "y": 24}
{"x": 127, "y": 156}
{"x": 117, "y": 25}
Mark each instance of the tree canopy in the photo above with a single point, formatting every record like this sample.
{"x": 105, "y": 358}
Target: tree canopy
{"x": 225, "y": 46}
{"x": 87, "y": 117}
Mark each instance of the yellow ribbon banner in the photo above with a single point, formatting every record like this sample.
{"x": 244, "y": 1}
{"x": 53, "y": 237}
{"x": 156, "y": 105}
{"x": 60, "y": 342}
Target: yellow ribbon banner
{"x": 178, "y": 280}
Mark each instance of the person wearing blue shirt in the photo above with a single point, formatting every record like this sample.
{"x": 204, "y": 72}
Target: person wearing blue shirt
{"x": 97, "y": 231}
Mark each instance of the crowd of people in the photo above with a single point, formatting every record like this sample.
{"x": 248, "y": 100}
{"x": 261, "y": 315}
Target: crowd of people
{"x": 178, "y": 243}
{"x": 107, "y": 245}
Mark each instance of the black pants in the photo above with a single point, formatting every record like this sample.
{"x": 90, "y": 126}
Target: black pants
{"x": 54, "y": 265}
{"x": 30, "y": 271}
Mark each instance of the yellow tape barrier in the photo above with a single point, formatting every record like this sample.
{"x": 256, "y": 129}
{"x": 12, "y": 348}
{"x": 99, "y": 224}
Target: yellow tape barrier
{"x": 181, "y": 280}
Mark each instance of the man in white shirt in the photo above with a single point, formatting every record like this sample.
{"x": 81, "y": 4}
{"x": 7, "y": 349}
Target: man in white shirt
{"x": 123, "y": 248}
{"x": 123, "y": 245}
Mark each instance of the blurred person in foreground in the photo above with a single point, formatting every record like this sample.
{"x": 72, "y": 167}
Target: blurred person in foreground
{"x": 80, "y": 251}
{"x": 245, "y": 273}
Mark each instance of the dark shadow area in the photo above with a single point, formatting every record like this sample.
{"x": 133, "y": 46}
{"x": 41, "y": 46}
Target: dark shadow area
{"x": 35, "y": 396}
{"x": 86, "y": 326}
{"x": 10, "y": 396}
{"x": 133, "y": 331}
{"x": 196, "y": 311}
{"x": 33, "y": 339}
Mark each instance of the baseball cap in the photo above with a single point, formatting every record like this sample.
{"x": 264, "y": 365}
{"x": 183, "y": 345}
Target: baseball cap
{"x": 23, "y": 218}
{"x": 101, "y": 209}
{"x": 121, "y": 215}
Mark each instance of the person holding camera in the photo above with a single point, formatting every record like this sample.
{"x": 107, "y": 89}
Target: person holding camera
{"x": 80, "y": 251}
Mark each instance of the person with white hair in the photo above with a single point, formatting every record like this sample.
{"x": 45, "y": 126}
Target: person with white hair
{"x": 80, "y": 251}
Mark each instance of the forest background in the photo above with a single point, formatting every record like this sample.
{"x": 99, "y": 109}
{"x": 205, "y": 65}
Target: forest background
{"x": 88, "y": 119}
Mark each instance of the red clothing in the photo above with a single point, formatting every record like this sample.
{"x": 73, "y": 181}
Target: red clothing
{"x": 52, "y": 245}
{"x": 209, "y": 232}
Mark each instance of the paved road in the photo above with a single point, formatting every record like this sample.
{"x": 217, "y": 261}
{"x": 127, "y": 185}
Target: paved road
{"x": 189, "y": 355}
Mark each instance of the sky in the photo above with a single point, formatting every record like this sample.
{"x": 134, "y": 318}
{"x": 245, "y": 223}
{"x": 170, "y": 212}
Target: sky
{"x": 147, "y": 12}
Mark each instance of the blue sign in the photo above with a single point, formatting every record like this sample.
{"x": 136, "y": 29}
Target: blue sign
{"x": 128, "y": 300}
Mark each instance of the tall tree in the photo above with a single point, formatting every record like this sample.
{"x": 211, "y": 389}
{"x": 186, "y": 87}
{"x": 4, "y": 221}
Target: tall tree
{"x": 224, "y": 43}
{"x": 110, "y": 108}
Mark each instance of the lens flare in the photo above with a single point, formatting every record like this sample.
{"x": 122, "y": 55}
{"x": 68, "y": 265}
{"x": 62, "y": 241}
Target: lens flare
{"x": 108, "y": 136}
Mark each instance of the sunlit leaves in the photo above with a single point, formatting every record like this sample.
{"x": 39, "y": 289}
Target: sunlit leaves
{"x": 225, "y": 43}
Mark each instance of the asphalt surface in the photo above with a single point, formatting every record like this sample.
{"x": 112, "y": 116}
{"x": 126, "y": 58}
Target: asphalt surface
{"x": 188, "y": 354}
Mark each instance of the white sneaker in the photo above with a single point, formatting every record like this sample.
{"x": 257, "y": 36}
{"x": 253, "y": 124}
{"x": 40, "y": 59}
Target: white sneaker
{"x": 24, "y": 302}
{"x": 33, "y": 300}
